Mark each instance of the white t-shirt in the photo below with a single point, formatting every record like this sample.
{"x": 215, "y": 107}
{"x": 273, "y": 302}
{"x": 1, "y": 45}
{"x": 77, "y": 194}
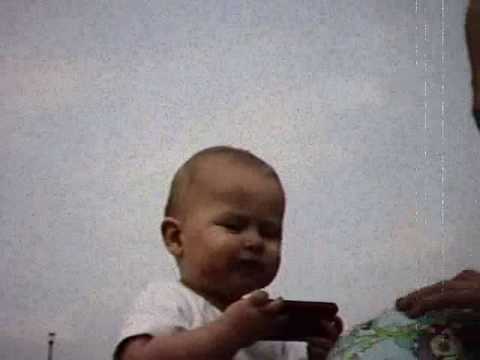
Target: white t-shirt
{"x": 165, "y": 308}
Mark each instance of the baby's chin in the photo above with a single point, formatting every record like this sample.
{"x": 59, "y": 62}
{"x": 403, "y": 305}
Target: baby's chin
{"x": 234, "y": 288}
{"x": 237, "y": 293}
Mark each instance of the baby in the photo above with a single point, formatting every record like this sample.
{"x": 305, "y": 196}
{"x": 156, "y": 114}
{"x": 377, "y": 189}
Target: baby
{"x": 223, "y": 225}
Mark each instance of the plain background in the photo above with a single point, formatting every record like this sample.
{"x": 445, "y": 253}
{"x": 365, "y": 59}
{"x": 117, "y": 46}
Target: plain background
{"x": 362, "y": 107}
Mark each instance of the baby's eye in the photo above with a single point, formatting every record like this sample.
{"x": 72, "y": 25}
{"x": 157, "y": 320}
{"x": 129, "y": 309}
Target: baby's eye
{"x": 271, "y": 232}
{"x": 234, "y": 227}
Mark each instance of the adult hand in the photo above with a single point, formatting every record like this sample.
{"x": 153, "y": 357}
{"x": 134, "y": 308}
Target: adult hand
{"x": 318, "y": 348}
{"x": 460, "y": 292}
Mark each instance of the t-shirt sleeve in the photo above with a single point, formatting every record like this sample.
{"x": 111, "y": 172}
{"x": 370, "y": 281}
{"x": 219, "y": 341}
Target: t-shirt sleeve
{"x": 159, "y": 310}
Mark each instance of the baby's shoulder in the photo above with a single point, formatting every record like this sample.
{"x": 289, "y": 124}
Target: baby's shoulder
{"x": 164, "y": 291}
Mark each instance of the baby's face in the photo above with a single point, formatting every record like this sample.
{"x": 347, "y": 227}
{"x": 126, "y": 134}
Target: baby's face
{"x": 232, "y": 232}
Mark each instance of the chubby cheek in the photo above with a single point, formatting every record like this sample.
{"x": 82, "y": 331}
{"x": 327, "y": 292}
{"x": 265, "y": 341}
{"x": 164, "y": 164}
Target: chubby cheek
{"x": 221, "y": 254}
{"x": 274, "y": 251}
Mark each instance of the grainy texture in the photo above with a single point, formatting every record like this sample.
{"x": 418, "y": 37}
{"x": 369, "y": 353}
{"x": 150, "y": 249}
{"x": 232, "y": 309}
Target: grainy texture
{"x": 102, "y": 100}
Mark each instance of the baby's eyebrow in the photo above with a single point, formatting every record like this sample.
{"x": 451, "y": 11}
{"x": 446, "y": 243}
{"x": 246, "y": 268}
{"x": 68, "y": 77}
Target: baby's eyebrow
{"x": 232, "y": 214}
{"x": 246, "y": 217}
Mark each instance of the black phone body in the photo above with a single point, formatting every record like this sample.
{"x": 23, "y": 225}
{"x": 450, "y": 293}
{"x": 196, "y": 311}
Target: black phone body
{"x": 304, "y": 319}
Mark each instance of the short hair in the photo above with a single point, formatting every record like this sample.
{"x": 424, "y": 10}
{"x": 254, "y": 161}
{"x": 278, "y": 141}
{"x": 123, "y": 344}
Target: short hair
{"x": 185, "y": 175}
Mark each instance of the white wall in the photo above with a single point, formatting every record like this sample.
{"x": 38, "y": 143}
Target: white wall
{"x": 102, "y": 101}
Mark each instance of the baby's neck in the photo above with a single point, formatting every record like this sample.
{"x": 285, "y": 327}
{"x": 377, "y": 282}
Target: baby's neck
{"x": 219, "y": 304}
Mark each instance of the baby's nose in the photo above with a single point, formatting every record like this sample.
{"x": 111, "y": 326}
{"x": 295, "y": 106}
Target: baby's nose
{"x": 254, "y": 241}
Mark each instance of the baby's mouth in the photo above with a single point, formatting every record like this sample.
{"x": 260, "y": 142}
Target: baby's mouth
{"x": 250, "y": 264}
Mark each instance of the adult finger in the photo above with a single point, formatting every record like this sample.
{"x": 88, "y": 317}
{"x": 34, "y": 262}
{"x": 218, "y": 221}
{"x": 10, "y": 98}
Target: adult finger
{"x": 406, "y": 302}
{"x": 415, "y": 298}
{"x": 468, "y": 274}
{"x": 454, "y": 298}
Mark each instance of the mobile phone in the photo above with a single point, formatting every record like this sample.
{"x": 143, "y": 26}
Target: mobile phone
{"x": 304, "y": 319}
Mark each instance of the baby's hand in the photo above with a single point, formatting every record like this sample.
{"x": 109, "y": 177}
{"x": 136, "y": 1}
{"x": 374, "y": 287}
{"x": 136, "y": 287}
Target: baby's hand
{"x": 318, "y": 348}
{"x": 254, "y": 317}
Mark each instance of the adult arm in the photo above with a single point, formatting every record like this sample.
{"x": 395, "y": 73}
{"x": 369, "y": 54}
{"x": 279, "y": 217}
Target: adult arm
{"x": 473, "y": 42}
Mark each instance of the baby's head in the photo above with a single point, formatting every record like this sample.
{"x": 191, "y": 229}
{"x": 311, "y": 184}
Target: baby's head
{"x": 223, "y": 223}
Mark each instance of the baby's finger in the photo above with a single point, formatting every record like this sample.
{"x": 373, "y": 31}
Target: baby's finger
{"x": 330, "y": 330}
{"x": 275, "y": 306}
{"x": 281, "y": 322}
{"x": 317, "y": 354}
{"x": 320, "y": 342}
{"x": 257, "y": 298}
{"x": 318, "y": 348}
{"x": 338, "y": 324}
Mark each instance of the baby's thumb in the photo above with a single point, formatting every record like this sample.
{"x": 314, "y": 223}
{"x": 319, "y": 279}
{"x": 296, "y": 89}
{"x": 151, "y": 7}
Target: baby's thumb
{"x": 257, "y": 297}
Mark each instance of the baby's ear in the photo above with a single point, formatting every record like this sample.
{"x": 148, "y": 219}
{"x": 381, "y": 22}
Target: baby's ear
{"x": 171, "y": 233}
